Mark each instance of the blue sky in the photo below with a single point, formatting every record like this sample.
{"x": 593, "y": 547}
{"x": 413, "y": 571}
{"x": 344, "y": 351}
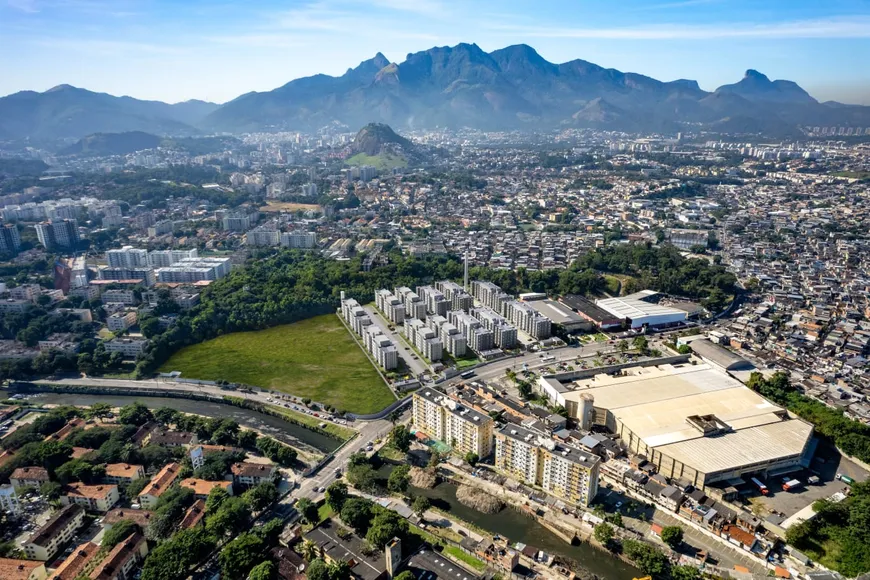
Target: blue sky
{"x": 174, "y": 50}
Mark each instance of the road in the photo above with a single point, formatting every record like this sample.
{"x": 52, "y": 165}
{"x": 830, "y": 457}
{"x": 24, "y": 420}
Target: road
{"x": 416, "y": 366}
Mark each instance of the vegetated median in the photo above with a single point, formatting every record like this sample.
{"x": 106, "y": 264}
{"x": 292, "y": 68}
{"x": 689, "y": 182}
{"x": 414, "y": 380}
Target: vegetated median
{"x": 313, "y": 358}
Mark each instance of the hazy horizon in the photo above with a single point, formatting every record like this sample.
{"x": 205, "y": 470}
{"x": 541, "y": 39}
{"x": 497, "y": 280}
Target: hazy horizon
{"x": 176, "y": 51}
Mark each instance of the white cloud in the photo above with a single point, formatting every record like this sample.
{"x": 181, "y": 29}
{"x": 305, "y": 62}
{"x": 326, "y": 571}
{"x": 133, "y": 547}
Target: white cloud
{"x": 844, "y": 27}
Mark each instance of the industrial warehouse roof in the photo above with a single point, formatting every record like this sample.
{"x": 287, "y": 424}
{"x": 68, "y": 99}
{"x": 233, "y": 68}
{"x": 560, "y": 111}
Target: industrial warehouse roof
{"x": 719, "y": 355}
{"x": 556, "y": 312}
{"x": 628, "y": 307}
{"x": 670, "y": 406}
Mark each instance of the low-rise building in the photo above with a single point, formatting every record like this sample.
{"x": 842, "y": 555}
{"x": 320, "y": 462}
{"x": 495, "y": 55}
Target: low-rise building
{"x": 248, "y": 474}
{"x": 51, "y": 537}
{"x": 202, "y": 487}
{"x": 151, "y": 493}
{"x": 123, "y": 473}
{"x": 200, "y": 452}
{"x": 99, "y": 498}
{"x": 129, "y": 347}
{"x": 194, "y": 515}
{"x": 121, "y": 321}
{"x": 14, "y": 569}
{"x": 29, "y": 477}
{"x": 76, "y": 562}
{"x": 122, "y": 562}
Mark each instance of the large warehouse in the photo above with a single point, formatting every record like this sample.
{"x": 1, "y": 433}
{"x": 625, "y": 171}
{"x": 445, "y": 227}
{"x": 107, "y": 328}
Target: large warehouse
{"x": 638, "y": 310}
{"x": 693, "y": 421}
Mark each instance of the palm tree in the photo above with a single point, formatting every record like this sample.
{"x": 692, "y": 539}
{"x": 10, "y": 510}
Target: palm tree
{"x": 309, "y": 550}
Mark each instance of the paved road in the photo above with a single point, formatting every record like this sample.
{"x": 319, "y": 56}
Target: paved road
{"x": 416, "y": 366}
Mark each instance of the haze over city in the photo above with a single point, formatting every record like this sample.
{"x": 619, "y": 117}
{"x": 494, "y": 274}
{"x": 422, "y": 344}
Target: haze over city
{"x": 177, "y": 50}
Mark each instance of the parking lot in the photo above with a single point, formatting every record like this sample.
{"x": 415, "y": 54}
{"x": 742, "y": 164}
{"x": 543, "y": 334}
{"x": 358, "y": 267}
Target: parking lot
{"x": 826, "y": 465}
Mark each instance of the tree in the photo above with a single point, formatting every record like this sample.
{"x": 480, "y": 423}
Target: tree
{"x": 525, "y": 389}
{"x": 641, "y": 344}
{"x": 166, "y": 415}
{"x": 399, "y": 480}
{"x": 100, "y": 410}
{"x": 149, "y": 326}
{"x": 240, "y": 555}
{"x": 357, "y": 513}
{"x": 406, "y": 575}
{"x": 622, "y": 346}
{"x": 317, "y": 570}
{"x": 263, "y": 571}
{"x": 231, "y": 518}
{"x": 261, "y": 496}
{"x": 394, "y": 416}
{"x": 604, "y": 533}
{"x": 672, "y": 536}
{"x": 421, "y": 505}
{"x": 308, "y": 550}
{"x": 173, "y": 558}
{"x": 51, "y": 490}
{"x": 650, "y": 560}
{"x": 339, "y": 570}
{"x": 400, "y": 438}
{"x": 471, "y": 458}
{"x": 385, "y": 526}
{"x": 307, "y": 510}
{"x": 118, "y": 532}
{"x": 336, "y": 495}
{"x": 79, "y": 470}
{"x": 135, "y": 414}
{"x": 362, "y": 477}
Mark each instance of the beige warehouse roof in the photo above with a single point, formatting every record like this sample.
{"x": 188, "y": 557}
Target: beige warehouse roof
{"x": 655, "y": 402}
{"x": 745, "y": 447}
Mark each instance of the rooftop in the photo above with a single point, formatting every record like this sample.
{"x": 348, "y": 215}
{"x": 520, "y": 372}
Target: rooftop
{"x": 202, "y": 486}
{"x": 75, "y": 562}
{"x": 12, "y": 569}
{"x": 161, "y": 481}
{"x": 58, "y": 522}
{"x": 90, "y": 491}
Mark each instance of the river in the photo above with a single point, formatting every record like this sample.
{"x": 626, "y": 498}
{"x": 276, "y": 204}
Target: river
{"x": 518, "y": 527}
{"x": 296, "y": 435}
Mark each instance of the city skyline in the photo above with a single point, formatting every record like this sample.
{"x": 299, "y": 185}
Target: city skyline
{"x": 172, "y": 51}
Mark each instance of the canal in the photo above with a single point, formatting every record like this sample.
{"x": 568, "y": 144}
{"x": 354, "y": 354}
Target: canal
{"x": 518, "y": 527}
{"x": 297, "y": 435}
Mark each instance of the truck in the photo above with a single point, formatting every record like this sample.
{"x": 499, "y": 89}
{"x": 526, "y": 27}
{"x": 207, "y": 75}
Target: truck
{"x": 813, "y": 480}
{"x": 791, "y": 485}
{"x": 845, "y": 479}
{"x": 761, "y": 487}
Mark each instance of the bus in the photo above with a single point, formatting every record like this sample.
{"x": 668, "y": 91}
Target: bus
{"x": 467, "y": 374}
{"x": 549, "y": 358}
{"x": 761, "y": 487}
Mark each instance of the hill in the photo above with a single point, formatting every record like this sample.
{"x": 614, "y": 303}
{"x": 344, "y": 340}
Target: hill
{"x": 68, "y": 112}
{"x": 376, "y": 138}
{"x": 105, "y": 144}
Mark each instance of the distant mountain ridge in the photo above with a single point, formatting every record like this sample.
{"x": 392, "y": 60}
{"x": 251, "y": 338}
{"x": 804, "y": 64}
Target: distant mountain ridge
{"x": 107, "y": 144}
{"x": 65, "y": 112}
{"x": 459, "y": 86}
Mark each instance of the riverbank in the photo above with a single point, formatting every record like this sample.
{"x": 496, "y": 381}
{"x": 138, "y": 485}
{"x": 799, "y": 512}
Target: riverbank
{"x": 292, "y": 434}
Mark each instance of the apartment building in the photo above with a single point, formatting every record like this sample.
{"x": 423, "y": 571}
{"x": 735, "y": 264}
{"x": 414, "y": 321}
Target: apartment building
{"x": 123, "y": 473}
{"x": 392, "y": 307}
{"x": 436, "y": 302}
{"x": 202, "y": 487}
{"x": 381, "y": 347}
{"x": 454, "y": 341}
{"x": 121, "y": 321}
{"x": 151, "y": 493}
{"x": 127, "y": 257}
{"x": 97, "y": 498}
{"x": 48, "y": 540}
{"x": 195, "y": 270}
{"x": 123, "y": 561}
{"x": 14, "y": 569}
{"x": 299, "y": 240}
{"x": 262, "y": 237}
{"x": 166, "y": 258}
{"x": 355, "y": 315}
{"x": 10, "y": 241}
{"x": 414, "y": 305}
{"x": 424, "y": 339}
{"x": 527, "y": 319}
{"x": 29, "y": 477}
{"x": 63, "y": 234}
{"x": 145, "y": 274}
{"x": 457, "y": 296}
{"x": 250, "y": 474}
{"x": 565, "y": 472}
{"x": 129, "y": 347}
{"x": 200, "y": 452}
{"x": 490, "y": 295}
{"x": 446, "y": 419}
{"x": 118, "y": 296}
{"x": 504, "y": 335}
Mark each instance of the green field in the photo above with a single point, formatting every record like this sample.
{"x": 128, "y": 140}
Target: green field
{"x": 381, "y": 162}
{"x": 315, "y": 358}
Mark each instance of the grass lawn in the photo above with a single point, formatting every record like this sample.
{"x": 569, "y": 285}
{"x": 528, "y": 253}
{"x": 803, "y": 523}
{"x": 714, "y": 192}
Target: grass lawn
{"x": 455, "y": 552}
{"x": 276, "y": 206}
{"x": 315, "y": 358}
{"x": 381, "y": 162}
{"x": 337, "y": 430}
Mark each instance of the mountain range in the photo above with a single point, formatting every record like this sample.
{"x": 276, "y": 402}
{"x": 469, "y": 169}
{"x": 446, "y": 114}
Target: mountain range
{"x": 459, "y": 86}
